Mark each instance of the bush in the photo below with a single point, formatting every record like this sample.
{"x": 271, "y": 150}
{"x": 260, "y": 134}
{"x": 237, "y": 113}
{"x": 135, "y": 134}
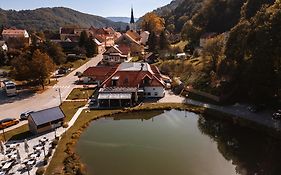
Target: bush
{"x": 40, "y": 171}
{"x": 45, "y": 161}
{"x": 55, "y": 143}
{"x": 65, "y": 125}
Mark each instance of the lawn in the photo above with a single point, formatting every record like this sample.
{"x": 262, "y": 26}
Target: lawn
{"x": 76, "y": 64}
{"x": 6, "y": 68}
{"x": 22, "y": 132}
{"x": 19, "y": 133}
{"x": 80, "y": 93}
{"x": 70, "y": 108}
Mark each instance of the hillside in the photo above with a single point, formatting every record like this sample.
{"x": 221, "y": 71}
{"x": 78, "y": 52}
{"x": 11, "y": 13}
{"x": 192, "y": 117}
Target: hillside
{"x": 209, "y": 15}
{"x": 52, "y": 19}
{"x": 162, "y": 11}
{"x": 121, "y": 19}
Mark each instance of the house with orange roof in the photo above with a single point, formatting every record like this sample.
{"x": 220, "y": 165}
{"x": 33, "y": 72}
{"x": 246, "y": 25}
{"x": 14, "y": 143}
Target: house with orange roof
{"x": 16, "y": 38}
{"x": 97, "y": 74}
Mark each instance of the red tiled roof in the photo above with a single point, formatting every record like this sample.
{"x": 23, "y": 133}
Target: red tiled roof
{"x": 133, "y": 35}
{"x": 99, "y": 73}
{"x": 133, "y": 78}
{"x": 124, "y": 49}
{"x": 13, "y": 32}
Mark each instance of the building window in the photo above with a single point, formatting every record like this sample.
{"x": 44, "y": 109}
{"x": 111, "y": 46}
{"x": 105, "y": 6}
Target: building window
{"x": 156, "y": 94}
{"x": 154, "y": 89}
{"x": 114, "y": 82}
{"x": 148, "y": 94}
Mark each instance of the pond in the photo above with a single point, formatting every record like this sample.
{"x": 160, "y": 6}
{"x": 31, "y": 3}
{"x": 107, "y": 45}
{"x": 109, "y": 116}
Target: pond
{"x": 175, "y": 142}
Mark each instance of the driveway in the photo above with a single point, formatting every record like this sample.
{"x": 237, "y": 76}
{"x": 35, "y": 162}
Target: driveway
{"x": 170, "y": 97}
{"x": 48, "y": 98}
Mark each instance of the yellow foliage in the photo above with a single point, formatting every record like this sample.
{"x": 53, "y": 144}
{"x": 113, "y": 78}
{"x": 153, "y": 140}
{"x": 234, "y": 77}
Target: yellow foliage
{"x": 153, "y": 23}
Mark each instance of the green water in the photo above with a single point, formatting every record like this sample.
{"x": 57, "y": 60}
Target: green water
{"x": 175, "y": 143}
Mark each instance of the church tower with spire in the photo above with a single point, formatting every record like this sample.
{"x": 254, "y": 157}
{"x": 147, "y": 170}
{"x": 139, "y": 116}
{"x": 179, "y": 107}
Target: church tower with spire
{"x": 132, "y": 21}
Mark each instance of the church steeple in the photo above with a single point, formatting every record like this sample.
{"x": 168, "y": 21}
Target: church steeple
{"x": 132, "y": 16}
{"x": 132, "y": 21}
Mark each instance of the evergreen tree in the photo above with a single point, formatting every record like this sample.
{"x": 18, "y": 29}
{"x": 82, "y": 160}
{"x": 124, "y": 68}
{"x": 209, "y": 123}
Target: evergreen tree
{"x": 83, "y": 38}
{"x": 152, "y": 42}
{"x": 90, "y": 47}
{"x": 163, "y": 41}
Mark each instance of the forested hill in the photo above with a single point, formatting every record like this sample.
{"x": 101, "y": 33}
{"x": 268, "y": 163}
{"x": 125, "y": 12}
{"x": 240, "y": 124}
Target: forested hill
{"x": 52, "y": 19}
{"x": 209, "y": 15}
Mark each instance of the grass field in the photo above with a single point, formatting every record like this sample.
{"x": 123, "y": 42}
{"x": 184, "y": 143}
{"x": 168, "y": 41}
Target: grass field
{"x": 80, "y": 93}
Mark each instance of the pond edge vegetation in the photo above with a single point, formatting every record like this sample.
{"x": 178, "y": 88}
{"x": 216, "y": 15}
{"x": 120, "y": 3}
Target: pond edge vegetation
{"x": 67, "y": 161}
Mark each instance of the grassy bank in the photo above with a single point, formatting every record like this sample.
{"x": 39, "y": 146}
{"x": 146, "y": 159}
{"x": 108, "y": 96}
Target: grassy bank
{"x": 22, "y": 132}
{"x": 80, "y": 93}
{"x": 70, "y": 108}
{"x": 65, "y": 160}
{"x": 19, "y": 133}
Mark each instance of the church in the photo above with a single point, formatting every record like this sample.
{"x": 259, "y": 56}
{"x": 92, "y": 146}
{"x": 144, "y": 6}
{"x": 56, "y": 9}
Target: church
{"x": 132, "y": 24}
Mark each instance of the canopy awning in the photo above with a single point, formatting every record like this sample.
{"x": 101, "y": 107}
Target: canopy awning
{"x": 115, "y": 96}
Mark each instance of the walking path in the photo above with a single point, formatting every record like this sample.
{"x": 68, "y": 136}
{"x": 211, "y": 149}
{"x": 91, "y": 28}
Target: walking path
{"x": 263, "y": 118}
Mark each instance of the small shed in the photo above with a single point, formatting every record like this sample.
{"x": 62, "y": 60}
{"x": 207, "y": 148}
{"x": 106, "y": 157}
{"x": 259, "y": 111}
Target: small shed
{"x": 45, "y": 120}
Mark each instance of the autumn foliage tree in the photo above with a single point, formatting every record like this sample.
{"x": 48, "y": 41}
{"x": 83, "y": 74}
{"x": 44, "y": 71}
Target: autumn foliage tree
{"x": 153, "y": 23}
{"x": 41, "y": 66}
{"x": 36, "y": 67}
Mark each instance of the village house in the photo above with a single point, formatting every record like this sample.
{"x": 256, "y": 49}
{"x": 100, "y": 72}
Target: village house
{"x": 129, "y": 83}
{"x": 45, "y": 120}
{"x": 105, "y": 35}
{"x": 116, "y": 55}
{"x": 136, "y": 49}
{"x": 97, "y": 74}
{"x": 71, "y": 33}
{"x": 100, "y": 46}
{"x": 16, "y": 38}
{"x": 144, "y": 37}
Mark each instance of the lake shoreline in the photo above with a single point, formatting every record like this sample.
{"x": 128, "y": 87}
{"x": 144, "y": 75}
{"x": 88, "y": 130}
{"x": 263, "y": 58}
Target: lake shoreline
{"x": 71, "y": 163}
{"x": 66, "y": 160}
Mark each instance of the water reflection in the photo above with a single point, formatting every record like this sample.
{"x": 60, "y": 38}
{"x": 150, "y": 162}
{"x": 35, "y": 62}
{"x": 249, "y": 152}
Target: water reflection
{"x": 176, "y": 142}
{"x": 252, "y": 153}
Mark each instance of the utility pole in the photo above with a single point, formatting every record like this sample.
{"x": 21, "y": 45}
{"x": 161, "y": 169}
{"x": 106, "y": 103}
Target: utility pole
{"x": 4, "y": 135}
{"x": 59, "y": 95}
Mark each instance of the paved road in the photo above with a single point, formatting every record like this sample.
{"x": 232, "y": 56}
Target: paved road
{"x": 263, "y": 118}
{"x": 48, "y": 98}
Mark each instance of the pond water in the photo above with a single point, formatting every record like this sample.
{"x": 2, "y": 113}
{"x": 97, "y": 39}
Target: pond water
{"x": 175, "y": 142}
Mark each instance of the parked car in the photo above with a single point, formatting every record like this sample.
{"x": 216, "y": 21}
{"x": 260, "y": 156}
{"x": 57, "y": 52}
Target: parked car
{"x": 24, "y": 115}
{"x": 7, "y": 122}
